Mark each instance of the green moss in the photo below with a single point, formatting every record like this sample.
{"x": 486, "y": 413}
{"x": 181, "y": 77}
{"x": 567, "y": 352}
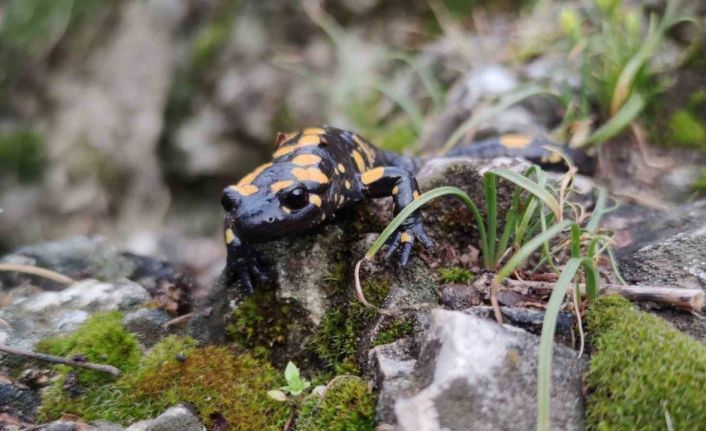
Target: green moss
{"x": 214, "y": 379}
{"x": 456, "y": 274}
{"x": 21, "y": 154}
{"x": 347, "y": 405}
{"x": 393, "y": 331}
{"x": 686, "y": 130}
{"x": 642, "y": 368}
{"x": 176, "y": 370}
{"x": 335, "y": 341}
{"x": 101, "y": 339}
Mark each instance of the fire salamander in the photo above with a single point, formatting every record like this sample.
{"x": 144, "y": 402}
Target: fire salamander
{"x": 317, "y": 171}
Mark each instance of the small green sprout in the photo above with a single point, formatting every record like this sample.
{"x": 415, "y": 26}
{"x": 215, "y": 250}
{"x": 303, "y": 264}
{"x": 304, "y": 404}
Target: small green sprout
{"x": 296, "y": 385}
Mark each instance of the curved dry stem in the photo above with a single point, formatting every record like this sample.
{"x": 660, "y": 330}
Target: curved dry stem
{"x": 35, "y": 270}
{"x": 359, "y": 289}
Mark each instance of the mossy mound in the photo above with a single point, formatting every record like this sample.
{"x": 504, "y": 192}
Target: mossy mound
{"x": 347, "y": 405}
{"x": 101, "y": 339}
{"x": 336, "y": 340}
{"x": 176, "y": 370}
{"x": 643, "y": 370}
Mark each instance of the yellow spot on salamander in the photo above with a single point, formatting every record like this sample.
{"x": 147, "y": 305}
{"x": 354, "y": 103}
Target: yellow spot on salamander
{"x": 279, "y": 185}
{"x": 249, "y": 178}
{"x": 347, "y": 184}
{"x": 515, "y": 141}
{"x": 341, "y": 199}
{"x": 372, "y": 175}
{"x": 308, "y": 140}
{"x": 315, "y": 199}
{"x": 341, "y": 168}
{"x": 358, "y": 160}
{"x": 405, "y": 237}
{"x": 310, "y": 174}
{"x": 306, "y": 159}
{"x": 313, "y": 131}
{"x": 286, "y": 210}
{"x": 230, "y": 236}
{"x": 395, "y": 190}
{"x": 553, "y": 157}
{"x": 304, "y": 141}
{"x": 369, "y": 153}
{"x": 415, "y": 195}
{"x": 245, "y": 189}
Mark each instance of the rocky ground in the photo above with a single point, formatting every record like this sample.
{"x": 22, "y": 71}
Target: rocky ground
{"x": 141, "y": 111}
{"x": 438, "y": 360}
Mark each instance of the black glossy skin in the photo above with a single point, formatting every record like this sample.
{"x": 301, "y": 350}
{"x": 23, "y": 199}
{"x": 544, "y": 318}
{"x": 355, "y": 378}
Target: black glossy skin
{"x": 317, "y": 171}
{"x": 313, "y": 174}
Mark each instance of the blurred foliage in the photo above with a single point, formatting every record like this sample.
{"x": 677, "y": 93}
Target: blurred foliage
{"x": 22, "y": 155}
{"x": 617, "y": 51}
{"x": 31, "y": 29}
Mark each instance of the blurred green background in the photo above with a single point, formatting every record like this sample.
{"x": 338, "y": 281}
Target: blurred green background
{"x": 127, "y": 118}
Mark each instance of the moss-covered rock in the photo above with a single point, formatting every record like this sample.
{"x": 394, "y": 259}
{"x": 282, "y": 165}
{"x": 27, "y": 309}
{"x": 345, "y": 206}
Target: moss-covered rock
{"x": 642, "y": 370}
{"x": 212, "y": 379}
{"x": 347, "y": 405}
{"x": 102, "y": 339}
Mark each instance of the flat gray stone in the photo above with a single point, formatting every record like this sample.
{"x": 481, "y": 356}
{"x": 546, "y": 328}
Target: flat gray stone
{"x": 177, "y": 418}
{"x": 47, "y": 314}
{"x": 473, "y": 374}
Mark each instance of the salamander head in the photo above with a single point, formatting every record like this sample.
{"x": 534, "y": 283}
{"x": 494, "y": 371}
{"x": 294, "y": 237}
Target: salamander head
{"x": 275, "y": 200}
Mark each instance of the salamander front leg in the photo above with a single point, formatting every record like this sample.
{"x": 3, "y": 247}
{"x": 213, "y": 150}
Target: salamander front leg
{"x": 243, "y": 262}
{"x": 401, "y": 185}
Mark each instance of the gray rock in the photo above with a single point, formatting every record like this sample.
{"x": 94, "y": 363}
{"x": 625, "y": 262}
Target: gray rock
{"x": 148, "y": 325}
{"x": 46, "y": 314}
{"x": 76, "y": 257}
{"x": 530, "y": 320}
{"x": 393, "y": 365}
{"x": 637, "y": 226}
{"x": 474, "y": 374}
{"x": 177, "y": 418}
{"x": 211, "y": 309}
{"x": 668, "y": 249}
{"x": 106, "y": 426}
{"x": 61, "y": 426}
{"x": 456, "y": 296}
{"x": 305, "y": 283}
{"x": 18, "y": 400}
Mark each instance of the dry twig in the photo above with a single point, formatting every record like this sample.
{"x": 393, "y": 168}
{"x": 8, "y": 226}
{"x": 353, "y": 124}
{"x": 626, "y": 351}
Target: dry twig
{"x": 59, "y": 360}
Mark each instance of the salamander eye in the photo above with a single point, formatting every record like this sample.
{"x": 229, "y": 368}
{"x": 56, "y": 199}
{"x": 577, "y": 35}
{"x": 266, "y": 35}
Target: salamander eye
{"x": 297, "y": 198}
{"x": 227, "y": 202}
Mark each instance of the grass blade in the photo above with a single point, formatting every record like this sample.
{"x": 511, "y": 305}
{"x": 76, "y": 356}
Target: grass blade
{"x": 531, "y": 187}
{"x": 599, "y": 211}
{"x": 546, "y": 343}
{"x": 491, "y": 204}
{"x": 629, "y": 111}
{"x": 526, "y": 250}
{"x": 415, "y": 205}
